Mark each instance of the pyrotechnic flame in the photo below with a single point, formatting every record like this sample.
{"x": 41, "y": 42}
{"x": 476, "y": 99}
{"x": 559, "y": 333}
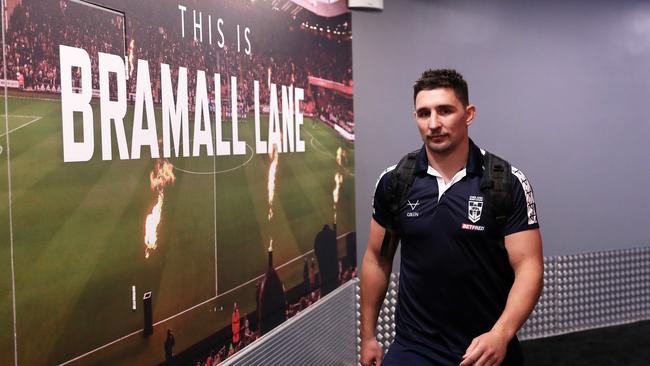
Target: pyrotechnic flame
{"x": 161, "y": 176}
{"x": 151, "y": 225}
{"x": 338, "y": 179}
{"x": 339, "y": 156}
{"x": 271, "y": 182}
{"x": 131, "y": 57}
{"x": 273, "y": 155}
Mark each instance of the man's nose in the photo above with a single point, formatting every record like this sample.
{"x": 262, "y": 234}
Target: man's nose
{"x": 434, "y": 121}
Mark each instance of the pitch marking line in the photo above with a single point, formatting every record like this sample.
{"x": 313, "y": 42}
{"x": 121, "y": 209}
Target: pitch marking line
{"x": 9, "y": 196}
{"x": 220, "y": 171}
{"x": 216, "y": 236}
{"x": 34, "y": 119}
{"x": 13, "y": 282}
{"x": 322, "y": 150}
{"x": 188, "y": 309}
{"x": 20, "y": 116}
{"x": 35, "y": 98}
{"x": 102, "y": 347}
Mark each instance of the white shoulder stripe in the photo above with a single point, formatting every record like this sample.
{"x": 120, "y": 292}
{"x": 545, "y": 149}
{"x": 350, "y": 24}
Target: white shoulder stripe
{"x": 528, "y": 191}
{"x": 390, "y": 168}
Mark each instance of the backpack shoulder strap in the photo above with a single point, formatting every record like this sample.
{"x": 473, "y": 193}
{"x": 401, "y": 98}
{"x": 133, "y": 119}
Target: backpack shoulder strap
{"x": 496, "y": 185}
{"x": 397, "y": 191}
{"x": 400, "y": 184}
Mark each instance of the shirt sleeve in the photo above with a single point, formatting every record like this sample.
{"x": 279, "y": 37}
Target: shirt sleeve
{"x": 380, "y": 205}
{"x": 524, "y": 212}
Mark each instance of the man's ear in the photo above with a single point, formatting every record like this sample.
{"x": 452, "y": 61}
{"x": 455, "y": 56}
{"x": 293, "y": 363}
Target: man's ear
{"x": 470, "y": 113}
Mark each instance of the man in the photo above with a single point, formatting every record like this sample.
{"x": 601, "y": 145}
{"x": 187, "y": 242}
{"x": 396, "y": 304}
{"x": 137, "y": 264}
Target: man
{"x": 169, "y": 347}
{"x": 326, "y": 253}
{"x": 468, "y": 280}
{"x": 235, "y": 326}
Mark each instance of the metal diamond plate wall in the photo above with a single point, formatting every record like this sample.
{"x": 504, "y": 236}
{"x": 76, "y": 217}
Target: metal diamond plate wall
{"x": 323, "y": 334}
{"x": 581, "y": 291}
{"x": 602, "y": 289}
{"x": 541, "y": 322}
{"x": 386, "y": 318}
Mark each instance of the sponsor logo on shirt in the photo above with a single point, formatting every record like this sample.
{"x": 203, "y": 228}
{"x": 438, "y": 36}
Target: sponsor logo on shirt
{"x": 472, "y": 227}
{"x": 412, "y": 205}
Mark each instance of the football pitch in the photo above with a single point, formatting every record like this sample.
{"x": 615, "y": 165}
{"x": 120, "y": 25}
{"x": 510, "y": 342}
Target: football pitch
{"x": 77, "y": 237}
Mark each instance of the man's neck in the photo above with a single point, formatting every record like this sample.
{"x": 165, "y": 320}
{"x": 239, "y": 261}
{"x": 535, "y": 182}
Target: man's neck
{"x": 450, "y": 163}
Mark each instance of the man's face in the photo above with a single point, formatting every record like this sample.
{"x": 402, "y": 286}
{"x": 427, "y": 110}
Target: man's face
{"x": 442, "y": 119}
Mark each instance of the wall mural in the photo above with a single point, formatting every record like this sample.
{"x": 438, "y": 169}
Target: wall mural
{"x": 176, "y": 178}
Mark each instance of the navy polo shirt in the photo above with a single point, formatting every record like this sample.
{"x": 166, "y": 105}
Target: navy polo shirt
{"x": 455, "y": 275}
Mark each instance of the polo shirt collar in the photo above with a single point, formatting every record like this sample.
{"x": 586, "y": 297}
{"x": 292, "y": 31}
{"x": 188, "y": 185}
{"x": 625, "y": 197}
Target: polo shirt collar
{"x": 473, "y": 166}
{"x": 421, "y": 162}
{"x": 474, "y": 159}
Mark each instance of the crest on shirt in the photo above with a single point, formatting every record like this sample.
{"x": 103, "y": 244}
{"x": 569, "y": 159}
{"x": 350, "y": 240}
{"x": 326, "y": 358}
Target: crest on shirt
{"x": 474, "y": 208}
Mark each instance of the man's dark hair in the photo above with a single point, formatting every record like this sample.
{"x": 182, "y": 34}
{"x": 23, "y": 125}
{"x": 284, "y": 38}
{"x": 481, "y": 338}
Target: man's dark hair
{"x": 442, "y": 78}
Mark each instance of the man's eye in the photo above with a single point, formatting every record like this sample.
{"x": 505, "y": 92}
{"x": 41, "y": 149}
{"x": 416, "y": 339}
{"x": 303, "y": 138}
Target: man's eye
{"x": 423, "y": 114}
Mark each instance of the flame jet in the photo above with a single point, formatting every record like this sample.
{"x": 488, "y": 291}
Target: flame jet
{"x": 161, "y": 176}
{"x": 273, "y": 155}
{"x": 338, "y": 178}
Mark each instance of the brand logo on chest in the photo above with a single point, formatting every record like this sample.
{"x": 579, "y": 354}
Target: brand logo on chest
{"x": 412, "y": 206}
{"x": 474, "y": 208}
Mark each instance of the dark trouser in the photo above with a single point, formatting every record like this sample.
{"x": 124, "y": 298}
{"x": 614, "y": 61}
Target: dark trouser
{"x": 404, "y": 352}
{"x": 407, "y": 353}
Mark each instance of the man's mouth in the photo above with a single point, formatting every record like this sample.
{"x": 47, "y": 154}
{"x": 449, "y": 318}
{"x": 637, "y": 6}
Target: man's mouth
{"x": 436, "y": 138}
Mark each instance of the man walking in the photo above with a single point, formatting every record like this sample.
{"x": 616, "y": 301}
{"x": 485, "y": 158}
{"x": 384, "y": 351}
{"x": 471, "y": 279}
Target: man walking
{"x": 471, "y": 260}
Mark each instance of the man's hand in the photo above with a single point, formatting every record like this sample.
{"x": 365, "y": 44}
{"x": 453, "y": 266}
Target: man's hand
{"x": 488, "y": 349}
{"x": 371, "y": 352}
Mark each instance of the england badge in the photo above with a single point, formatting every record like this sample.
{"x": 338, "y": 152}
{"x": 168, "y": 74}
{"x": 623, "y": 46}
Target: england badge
{"x": 474, "y": 208}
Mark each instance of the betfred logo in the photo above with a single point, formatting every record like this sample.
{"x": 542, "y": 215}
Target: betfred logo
{"x": 472, "y": 227}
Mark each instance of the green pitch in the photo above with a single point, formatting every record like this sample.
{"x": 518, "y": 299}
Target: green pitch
{"x": 78, "y": 231}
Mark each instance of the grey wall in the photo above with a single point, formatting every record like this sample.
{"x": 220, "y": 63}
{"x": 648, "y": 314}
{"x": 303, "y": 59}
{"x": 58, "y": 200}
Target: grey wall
{"x": 562, "y": 91}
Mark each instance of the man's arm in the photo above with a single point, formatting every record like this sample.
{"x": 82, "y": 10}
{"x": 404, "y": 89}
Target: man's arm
{"x": 525, "y": 255}
{"x": 375, "y": 273}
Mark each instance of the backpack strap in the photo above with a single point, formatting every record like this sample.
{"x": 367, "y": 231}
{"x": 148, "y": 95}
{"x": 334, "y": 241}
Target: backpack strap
{"x": 496, "y": 185}
{"x": 397, "y": 192}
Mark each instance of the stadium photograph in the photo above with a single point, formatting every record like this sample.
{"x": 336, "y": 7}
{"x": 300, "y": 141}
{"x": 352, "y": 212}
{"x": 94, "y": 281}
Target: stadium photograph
{"x": 176, "y": 179}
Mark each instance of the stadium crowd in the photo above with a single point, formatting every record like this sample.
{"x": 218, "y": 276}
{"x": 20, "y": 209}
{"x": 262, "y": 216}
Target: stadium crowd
{"x": 36, "y": 28}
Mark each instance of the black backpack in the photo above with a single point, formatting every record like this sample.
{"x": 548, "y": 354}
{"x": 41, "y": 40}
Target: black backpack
{"x": 495, "y": 184}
